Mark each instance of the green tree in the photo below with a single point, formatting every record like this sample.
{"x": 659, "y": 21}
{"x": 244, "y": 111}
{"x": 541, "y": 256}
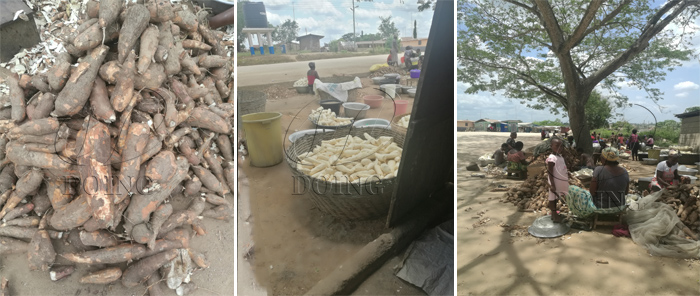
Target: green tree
{"x": 554, "y": 53}
{"x": 426, "y": 4}
{"x": 240, "y": 18}
{"x": 691, "y": 109}
{"x": 349, "y": 37}
{"x": 387, "y": 29}
{"x": 286, "y": 32}
{"x": 415, "y": 31}
{"x": 556, "y": 122}
{"x": 598, "y": 111}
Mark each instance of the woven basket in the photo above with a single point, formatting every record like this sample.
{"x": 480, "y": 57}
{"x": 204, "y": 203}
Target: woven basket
{"x": 343, "y": 200}
{"x": 248, "y": 102}
{"x": 395, "y": 124}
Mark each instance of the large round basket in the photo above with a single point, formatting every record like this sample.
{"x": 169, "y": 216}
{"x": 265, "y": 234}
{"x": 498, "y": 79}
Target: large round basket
{"x": 348, "y": 201}
{"x": 249, "y": 101}
{"x": 395, "y": 124}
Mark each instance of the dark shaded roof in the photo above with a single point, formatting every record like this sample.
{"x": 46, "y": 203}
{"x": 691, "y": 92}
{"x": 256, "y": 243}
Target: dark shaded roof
{"x": 689, "y": 114}
{"x": 310, "y": 35}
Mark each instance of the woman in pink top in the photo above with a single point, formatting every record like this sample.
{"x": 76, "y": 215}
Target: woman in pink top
{"x": 311, "y": 76}
{"x": 634, "y": 145}
{"x": 558, "y": 178}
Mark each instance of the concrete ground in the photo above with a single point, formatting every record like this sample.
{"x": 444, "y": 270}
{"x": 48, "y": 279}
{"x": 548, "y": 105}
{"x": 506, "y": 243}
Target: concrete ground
{"x": 286, "y": 245}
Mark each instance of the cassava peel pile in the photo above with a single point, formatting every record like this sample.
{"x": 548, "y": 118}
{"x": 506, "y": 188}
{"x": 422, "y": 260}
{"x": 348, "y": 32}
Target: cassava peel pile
{"x": 139, "y": 110}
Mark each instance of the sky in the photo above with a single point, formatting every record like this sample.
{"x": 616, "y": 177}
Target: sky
{"x": 681, "y": 89}
{"x": 333, "y": 18}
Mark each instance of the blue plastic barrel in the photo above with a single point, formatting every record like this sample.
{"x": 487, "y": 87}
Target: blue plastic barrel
{"x": 272, "y": 49}
{"x": 262, "y": 50}
{"x": 252, "y": 50}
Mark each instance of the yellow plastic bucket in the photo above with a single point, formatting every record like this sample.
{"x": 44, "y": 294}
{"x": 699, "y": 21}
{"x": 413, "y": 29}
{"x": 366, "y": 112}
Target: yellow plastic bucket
{"x": 654, "y": 153}
{"x": 263, "y": 133}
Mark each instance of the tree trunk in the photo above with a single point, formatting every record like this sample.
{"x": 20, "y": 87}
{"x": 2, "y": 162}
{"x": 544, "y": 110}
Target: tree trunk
{"x": 577, "y": 120}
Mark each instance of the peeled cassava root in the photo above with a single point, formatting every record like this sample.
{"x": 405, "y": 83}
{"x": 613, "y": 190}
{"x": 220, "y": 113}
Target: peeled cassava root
{"x": 139, "y": 110}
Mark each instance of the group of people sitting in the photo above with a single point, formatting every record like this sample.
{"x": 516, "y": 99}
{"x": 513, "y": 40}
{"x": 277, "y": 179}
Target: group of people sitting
{"x": 511, "y": 155}
{"x": 609, "y": 184}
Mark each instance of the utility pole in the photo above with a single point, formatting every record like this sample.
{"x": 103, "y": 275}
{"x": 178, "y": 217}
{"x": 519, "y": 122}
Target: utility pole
{"x": 354, "y": 35}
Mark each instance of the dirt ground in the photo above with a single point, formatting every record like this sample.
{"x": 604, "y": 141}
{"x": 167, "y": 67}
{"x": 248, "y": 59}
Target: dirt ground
{"x": 496, "y": 260}
{"x": 292, "y": 245}
{"x": 217, "y": 246}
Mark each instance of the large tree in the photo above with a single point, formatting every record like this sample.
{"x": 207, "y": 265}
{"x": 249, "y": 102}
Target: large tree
{"x": 286, "y": 32}
{"x": 387, "y": 28}
{"x": 553, "y": 54}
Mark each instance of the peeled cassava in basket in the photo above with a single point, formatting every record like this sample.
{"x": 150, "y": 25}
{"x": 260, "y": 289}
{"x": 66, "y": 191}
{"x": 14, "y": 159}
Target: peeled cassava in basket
{"x": 139, "y": 109}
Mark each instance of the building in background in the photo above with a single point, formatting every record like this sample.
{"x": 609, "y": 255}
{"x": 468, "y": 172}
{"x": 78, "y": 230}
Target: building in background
{"x": 310, "y": 42}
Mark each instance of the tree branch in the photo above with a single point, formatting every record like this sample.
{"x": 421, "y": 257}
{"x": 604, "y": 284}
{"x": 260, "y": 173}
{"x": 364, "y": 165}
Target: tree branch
{"x": 578, "y": 34}
{"x": 525, "y": 77}
{"x": 653, "y": 27}
{"x": 549, "y": 20}
{"x": 606, "y": 19}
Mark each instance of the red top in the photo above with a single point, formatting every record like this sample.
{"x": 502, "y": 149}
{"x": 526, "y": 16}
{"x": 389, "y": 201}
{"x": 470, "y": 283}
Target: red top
{"x": 633, "y": 138}
{"x": 621, "y": 140}
{"x": 311, "y": 79}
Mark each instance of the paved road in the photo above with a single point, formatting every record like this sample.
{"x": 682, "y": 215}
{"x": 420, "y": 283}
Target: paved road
{"x": 274, "y": 73}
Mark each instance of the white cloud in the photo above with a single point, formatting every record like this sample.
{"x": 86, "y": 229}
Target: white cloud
{"x": 686, "y": 85}
{"x": 276, "y": 3}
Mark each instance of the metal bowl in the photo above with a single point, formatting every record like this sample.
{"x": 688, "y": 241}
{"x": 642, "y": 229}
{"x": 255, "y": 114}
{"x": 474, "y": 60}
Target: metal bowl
{"x": 544, "y": 227}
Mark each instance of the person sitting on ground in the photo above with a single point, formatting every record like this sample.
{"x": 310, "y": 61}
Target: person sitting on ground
{"x": 311, "y": 76}
{"x": 407, "y": 54}
{"x": 558, "y": 178}
{"x": 610, "y": 182}
{"x": 586, "y": 162}
{"x": 516, "y": 160}
{"x": 609, "y": 186}
{"x": 500, "y": 155}
{"x": 511, "y": 141}
{"x": 667, "y": 173}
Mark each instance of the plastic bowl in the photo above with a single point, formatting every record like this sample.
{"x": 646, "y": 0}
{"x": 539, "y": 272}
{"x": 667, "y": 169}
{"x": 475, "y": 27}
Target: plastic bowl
{"x": 374, "y": 101}
{"x": 294, "y": 136}
{"x": 412, "y": 92}
{"x": 355, "y": 110}
{"x": 302, "y": 89}
{"x": 693, "y": 179}
{"x": 687, "y": 172}
{"x": 650, "y": 161}
{"x": 377, "y": 80}
{"x": 373, "y": 122}
{"x": 332, "y": 105}
{"x": 392, "y": 75}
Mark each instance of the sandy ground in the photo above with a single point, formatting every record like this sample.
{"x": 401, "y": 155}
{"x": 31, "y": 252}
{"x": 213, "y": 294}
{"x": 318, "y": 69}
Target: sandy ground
{"x": 218, "y": 279}
{"x": 491, "y": 261}
{"x": 293, "y": 244}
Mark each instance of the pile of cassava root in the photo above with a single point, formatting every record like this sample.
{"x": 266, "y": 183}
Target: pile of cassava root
{"x": 683, "y": 199}
{"x": 138, "y": 111}
{"x": 532, "y": 193}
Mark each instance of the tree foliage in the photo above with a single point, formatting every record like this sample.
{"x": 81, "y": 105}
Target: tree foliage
{"x": 415, "y": 29}
{"x": 387, "y": 29}
{"x": 598, "y": 111}
{"x": 286, "y": 32}
{"x": 553, "y": 54}
{"x": 556, "y": 122}
{"x": 691, "y": 109}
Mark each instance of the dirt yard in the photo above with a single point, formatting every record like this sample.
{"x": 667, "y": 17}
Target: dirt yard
{"x": 291, "y": 244}
{"x": 496, "y": 260}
